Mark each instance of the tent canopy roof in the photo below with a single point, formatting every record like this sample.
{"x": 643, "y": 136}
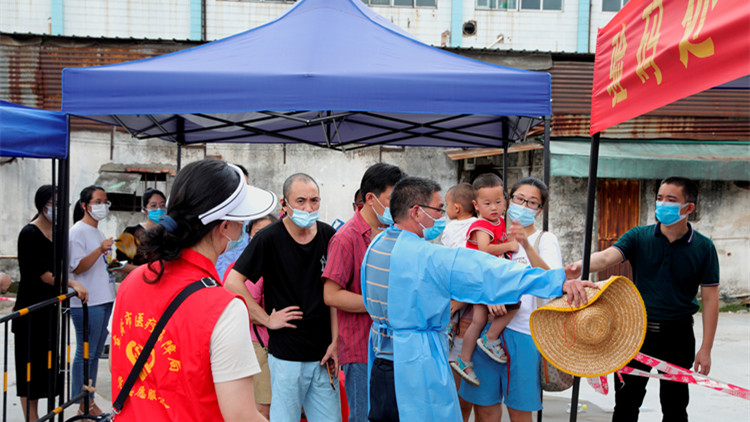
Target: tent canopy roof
{"x": 33, "y": 133}
{"x": 326, "y": 72}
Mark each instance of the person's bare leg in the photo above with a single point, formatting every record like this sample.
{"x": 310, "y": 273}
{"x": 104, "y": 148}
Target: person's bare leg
{"x": 519, "y": 415}
{"x": 33, "y": 413}
{"x": 491, "y": 413}
{"x": 478, "y": 321}
{"x": 498, "y": 325}
{"x": 463, "y": 404}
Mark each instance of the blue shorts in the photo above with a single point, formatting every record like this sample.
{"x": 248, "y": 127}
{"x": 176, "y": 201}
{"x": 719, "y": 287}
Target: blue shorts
{"x": 525, "y": 385}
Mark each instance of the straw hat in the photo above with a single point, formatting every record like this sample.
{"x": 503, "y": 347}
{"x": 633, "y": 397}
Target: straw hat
{"x": 594, "y": 339}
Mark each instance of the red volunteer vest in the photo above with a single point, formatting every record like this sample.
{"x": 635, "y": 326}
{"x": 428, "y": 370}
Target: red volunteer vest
{"x": 176, "y": 382}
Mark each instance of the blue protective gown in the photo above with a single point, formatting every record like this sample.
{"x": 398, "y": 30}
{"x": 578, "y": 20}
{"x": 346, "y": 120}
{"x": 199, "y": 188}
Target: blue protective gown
{"x": 423, "y": 277}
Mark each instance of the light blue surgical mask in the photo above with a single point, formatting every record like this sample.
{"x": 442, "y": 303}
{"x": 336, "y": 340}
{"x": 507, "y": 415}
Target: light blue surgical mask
{"x": 668, "y": 213}
{"x": 234, "y": 244}
{"x": 437, "y": 228}
{"x": 523, "y": 215}
{"x": 156, "y": 215}
{"x": 386, "y": 218}
{"x": 303, "y": 219}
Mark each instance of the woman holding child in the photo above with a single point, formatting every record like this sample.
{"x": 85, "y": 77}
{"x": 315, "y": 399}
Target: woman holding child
{"x": 517, "y": 383}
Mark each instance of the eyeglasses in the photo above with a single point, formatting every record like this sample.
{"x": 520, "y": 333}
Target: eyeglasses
{"x": 528, "y": 203}
{"x": 440, "y": 210}
{"x": 100, "y": 202}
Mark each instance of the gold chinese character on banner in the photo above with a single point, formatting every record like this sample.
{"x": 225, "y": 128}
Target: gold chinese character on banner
{"x": 151, "y": 394}
{"x": 169, "y": 347}
{"x": 695, "y": 17}
{"x": 646, "y": 53}
{"x": 128, "y": 319}
{"x": 615, "y": 88}
{"x": 174, "y": 365}
{"x": 150, "y": 325}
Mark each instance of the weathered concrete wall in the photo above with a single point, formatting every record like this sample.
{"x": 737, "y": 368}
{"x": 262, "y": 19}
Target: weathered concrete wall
{"x": 337, "y": 173}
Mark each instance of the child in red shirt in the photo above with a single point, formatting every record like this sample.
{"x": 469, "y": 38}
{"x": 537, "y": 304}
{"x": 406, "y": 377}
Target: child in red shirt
{"x": 487, "y": 234}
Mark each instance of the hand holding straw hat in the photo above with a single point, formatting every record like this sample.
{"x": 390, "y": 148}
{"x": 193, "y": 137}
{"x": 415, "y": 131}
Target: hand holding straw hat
{"x": 594, "y": 339}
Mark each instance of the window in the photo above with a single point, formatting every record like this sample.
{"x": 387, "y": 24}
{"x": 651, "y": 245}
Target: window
{"x": 401, "y": 3}
{"x": 126, "y": 184}
{"x": 497, "y": 4}
{"x": 541, "y": 4}
{"x": 613, "y": 5}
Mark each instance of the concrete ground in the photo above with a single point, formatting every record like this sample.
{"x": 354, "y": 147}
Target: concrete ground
{"x": 730, "y": 363}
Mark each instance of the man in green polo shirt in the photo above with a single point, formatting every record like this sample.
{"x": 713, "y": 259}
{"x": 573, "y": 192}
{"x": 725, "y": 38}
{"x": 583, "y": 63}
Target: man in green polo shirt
{"x": 670, "y": 262}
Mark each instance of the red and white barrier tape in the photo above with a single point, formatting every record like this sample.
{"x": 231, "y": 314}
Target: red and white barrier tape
{"x": 9, "y": 299}
{"x": 671, "y": 372}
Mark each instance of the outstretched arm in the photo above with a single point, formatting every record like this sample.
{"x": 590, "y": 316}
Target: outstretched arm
{"x": 600, "y": 261}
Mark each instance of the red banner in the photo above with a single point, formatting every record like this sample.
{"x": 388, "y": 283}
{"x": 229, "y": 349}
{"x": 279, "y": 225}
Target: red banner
{"x": 655, "y": 52}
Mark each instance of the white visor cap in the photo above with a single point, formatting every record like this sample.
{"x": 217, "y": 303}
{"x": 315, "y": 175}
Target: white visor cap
{"x": 245, "y": 203}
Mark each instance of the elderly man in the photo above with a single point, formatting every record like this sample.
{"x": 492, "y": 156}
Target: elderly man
{"x": 407, "y": 284}
{"x": 291, "y": 255}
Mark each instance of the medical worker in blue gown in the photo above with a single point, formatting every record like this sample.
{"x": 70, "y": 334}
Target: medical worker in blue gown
{"x": 407, "y": 284}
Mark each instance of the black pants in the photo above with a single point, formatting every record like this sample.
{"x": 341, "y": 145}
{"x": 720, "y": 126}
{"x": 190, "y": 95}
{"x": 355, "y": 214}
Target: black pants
{"x": 671, "y": 341}
{"x": 383, "y": 406}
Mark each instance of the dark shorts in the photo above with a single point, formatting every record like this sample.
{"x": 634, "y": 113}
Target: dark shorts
{"x": 383, "y": 407}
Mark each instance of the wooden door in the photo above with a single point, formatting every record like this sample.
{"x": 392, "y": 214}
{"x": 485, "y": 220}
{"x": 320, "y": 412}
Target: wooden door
{"x": 619, "y": 211}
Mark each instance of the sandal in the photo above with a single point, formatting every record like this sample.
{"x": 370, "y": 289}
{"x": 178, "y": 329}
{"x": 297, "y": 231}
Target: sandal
{"x": 460, "y": 367}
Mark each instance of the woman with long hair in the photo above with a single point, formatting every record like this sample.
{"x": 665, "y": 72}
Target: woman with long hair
{"x": 35, "y": 262}
{"x": 88, "y": 265}
{"x": 202, "y": 365}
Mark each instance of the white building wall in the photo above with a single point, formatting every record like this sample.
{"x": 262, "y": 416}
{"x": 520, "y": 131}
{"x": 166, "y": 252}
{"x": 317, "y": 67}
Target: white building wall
{"x": 170, "y": 19}
{"x": 25, "y": 16}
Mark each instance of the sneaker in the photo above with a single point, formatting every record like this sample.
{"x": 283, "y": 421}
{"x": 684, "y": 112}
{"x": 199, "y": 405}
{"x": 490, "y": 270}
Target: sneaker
{"x": 460, "y": 367}
{"x": 492, "y": 348}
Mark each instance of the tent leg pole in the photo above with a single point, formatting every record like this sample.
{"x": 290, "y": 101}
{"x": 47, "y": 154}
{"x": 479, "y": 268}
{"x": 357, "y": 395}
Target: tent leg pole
{"x": 60, "y": 243}
{"x": 179, "y": 157}
{"x": 587, "y": 238}
{"x": 180, "y": 140}
{"x": 545, "y": 213}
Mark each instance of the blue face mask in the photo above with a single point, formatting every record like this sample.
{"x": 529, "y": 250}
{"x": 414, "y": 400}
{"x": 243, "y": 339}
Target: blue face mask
{"x": 523, "y": 215}
{"x": 668, "y": 213}
{"x": 386, "y": 218}
{"x": 303, "y": 219}
{"x": 234, "y": 244}
{"x": 430, "y": 233}
{"x": 156, "y": 215}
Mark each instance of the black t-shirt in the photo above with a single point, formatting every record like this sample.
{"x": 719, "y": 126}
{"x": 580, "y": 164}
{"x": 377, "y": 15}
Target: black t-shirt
{"x": 291, "y": 277}
{"x": 35, "y": 257}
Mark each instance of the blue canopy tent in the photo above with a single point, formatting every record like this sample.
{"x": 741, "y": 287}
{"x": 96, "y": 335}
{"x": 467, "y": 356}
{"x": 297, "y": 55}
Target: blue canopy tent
{"x": 33, "y": 133}
{"x": 331, "y": 73}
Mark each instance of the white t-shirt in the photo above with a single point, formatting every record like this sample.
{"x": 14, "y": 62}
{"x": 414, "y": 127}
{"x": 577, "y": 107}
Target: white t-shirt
{"x": 231, "y": 349}
{"x": 454, "y": 234}
{"x": 549, "y": 251}
{"x": 84, "y": 239}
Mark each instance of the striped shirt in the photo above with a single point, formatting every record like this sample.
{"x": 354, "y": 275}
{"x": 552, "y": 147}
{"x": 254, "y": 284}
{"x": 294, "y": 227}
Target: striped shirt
{"x": 345, "y": 253}
{"x": 376, "y": 273}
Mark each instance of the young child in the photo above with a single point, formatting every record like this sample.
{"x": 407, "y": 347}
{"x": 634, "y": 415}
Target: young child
{"x": 488, "y": 234}
{"x": 459, "y": 202}
{"x": 459, "y": 207}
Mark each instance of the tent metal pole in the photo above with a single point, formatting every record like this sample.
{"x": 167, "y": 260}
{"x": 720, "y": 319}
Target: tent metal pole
{"x": 545, "y": 213}
{"x": 61, "y": 276}
{"x": 587, "y": 239}
{"x": 180, "y": 140}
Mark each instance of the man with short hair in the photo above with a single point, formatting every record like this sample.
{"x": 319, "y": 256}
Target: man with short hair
{"x": 342, "y": 287}
{"x": 291, "y": 255}
{"x": 670, "y": 262}
{"x": 407, "y": 284}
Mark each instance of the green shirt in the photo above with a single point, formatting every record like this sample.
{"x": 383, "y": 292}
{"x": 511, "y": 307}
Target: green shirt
{"x": 668, "y": 275}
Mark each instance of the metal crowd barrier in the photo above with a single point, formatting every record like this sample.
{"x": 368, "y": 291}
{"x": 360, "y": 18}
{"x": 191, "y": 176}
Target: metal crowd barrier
{"x": 53, "y": 367}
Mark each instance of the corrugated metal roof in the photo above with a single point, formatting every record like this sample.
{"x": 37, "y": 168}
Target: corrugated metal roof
{"x": 709, "y": 115}
{"x": 31, "y": 65}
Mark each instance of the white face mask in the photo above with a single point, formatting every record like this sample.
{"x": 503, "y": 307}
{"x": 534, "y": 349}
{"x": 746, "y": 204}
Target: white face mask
{"x": 99, "y": 211}
{"x": 48, "y": 213}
